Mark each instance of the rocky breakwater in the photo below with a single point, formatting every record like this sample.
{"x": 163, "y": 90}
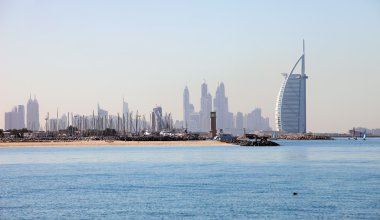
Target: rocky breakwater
{"x": 252, "y": 140}
{"x": 304, "y": 137}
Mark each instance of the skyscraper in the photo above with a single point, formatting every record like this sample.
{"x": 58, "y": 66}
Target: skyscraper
{"x": 125, "y": 109}
{"x": 221, "y": 108}
{"x": 186, "y": 107}
{"x": 206, "y": 108}
{"x": 15, "y": 119}
{"x": 290, "y": 114}
{"x": 102, "y": 118}
{"x": 157, "y": 119}
{"x": 256, "y": 122}
{"x": 21, "y": 117}
{"x": 8, "y": 120}
{"x": 239, "y": 122}
{"x": 102, "y": 113}
{"x": 32, "y": 115}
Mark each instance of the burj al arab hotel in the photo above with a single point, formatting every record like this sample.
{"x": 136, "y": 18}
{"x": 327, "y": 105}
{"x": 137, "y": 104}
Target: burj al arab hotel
{"x": 290, "y": 114}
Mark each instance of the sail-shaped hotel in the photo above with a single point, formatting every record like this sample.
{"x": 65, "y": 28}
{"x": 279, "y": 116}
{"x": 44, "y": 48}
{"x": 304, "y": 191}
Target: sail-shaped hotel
{"x": 290, "y": 114}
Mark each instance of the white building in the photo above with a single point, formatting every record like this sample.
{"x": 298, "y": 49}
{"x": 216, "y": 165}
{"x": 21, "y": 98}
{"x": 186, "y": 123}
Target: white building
{"x": 256, "y": 122}
{"x": 32, "y": 115}
{"x": 186, "y": 107}
{"x": 125, "y": 109}
{"x": 15, "y": 119}
{"x": 102, "y": 119}
{"x": 290, "y": 114}
{"x": 239, "y": 123}
{"x": 206, "y": 108}
{"x": 221, "y": 108}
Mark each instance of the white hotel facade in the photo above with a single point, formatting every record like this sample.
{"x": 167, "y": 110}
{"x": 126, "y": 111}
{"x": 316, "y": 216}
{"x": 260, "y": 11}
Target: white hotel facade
{"x": 290, "y": 114}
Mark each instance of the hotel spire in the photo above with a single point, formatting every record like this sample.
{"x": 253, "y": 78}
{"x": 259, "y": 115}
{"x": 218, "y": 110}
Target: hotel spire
{"x": 303, "y": 59}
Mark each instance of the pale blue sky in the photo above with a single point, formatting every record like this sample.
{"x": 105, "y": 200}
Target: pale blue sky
{"x": 74, "y": 54}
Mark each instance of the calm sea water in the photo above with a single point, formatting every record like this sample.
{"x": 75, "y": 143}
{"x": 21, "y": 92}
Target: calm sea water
{"x": 337, "y": 179}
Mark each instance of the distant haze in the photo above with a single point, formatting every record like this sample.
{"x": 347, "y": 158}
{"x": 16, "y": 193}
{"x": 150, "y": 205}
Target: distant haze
{"x": 75, "y": 54}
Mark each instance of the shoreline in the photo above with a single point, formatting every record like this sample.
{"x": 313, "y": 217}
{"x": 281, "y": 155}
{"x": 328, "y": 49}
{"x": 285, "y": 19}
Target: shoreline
{"x": 94, "y": 143}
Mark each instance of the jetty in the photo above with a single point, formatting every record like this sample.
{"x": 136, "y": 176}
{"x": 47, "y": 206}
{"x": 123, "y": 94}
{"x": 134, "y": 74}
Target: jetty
{"x": 303, "y": 137}
{"x": 252, "y": 140}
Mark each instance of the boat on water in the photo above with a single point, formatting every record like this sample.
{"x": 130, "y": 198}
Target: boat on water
{"x": 274, "y": 135}
{"x": 353, "y": 135}
{"x": 361, "y": 135}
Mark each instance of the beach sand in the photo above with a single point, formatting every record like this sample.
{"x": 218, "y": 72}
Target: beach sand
{"x": 113, "y": 143}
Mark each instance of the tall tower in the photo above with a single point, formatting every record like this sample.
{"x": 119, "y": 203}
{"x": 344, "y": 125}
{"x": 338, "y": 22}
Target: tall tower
{"x": 290, "y": 111}
{"x": 186, "y": 107}
{"x": 302, "y": 123}
{"x": 221, "y": 107}
{"x": 125, "y": 108}
{"x": 15, "y": 119}
{"x": 157, "y": 119}
{"x": 32, "y": 115}
{"x": 21, "y": 117}
{"x": 239, "y": 124}
{"x": 206, "y": 107}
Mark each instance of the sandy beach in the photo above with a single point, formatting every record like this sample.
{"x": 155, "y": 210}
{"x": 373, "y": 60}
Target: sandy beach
{"x": 113, "y": 143}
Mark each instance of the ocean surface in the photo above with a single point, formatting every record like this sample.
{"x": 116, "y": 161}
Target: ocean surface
{"x": 338, "y": 179}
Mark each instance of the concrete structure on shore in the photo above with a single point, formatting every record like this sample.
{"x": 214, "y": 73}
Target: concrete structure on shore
{"x": 290, "y": 114}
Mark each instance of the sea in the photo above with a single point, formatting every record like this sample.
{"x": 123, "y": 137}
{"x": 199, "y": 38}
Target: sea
{"x": 333, "y": 179}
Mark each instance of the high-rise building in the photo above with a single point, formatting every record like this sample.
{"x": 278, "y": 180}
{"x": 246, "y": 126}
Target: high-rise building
{"x": 15, "y": 119}
{"x": 102, "y": 112}
{"x": 239, "y": 122}
{"x": 21, "y": 117}
{"x": 157, "y": 119}
{"x": 32, "y": 115}
{"x": 194, "y": 122}
{"x": 290, "y": 114}
{"x": 125, "y": 109}
{"x": 221, "y": 108}
{"x": 206, "y": 108}
{"x": 102, "y": 120}
{"x": 62, "y": 122}
{"x": 186, "y": 107}
{"x": 8, "y": 120}
{"x": 255, "y": 121}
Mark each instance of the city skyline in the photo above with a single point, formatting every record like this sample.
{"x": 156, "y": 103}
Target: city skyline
{"x": 73, "y": 56}
{"x": 195, "y": 121}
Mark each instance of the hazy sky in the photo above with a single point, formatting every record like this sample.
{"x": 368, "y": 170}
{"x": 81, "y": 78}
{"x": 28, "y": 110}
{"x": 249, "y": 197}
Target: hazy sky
{"x": 75, "y": 54}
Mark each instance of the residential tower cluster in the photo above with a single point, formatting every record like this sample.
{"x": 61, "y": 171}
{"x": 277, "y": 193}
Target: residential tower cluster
{"x": 226, "y": 121}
